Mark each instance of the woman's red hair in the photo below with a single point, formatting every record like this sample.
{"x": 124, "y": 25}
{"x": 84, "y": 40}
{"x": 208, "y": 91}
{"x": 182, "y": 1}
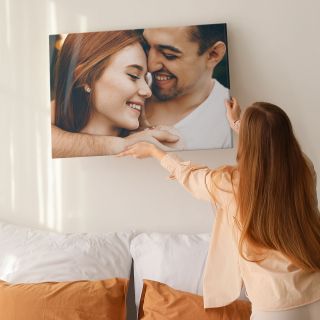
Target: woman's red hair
{"x": 276, "y": 197}
{"x": 81, "y": 61}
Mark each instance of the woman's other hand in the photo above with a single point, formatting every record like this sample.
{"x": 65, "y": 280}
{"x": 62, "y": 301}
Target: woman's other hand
{"x": 163, "y": 139}
{"x": 233, "y": 113}
{"x": 143, "y": 150}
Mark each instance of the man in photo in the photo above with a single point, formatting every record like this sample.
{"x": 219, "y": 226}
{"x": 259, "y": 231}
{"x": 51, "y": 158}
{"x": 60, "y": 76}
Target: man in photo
{"x": 185, "y": 96}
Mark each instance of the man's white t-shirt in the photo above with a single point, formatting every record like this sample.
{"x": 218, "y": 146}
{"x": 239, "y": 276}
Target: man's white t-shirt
{"x": 207, "y": 126}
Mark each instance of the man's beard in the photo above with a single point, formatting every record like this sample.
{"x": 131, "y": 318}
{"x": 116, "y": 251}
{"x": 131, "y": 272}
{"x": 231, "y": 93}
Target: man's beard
{"x": 165, "y": 94}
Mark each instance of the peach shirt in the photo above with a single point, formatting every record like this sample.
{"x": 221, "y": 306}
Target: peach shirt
{"x": 271, "y": 284}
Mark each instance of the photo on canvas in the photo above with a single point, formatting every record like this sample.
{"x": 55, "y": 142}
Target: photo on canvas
{"x": 166, "y": 86}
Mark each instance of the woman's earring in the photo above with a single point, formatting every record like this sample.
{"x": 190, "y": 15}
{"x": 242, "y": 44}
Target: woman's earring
{"x": 87, "y": 88}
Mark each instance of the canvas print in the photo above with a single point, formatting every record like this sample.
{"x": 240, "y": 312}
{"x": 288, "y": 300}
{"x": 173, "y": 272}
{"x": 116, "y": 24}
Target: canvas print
{"x": 166, "y": 86}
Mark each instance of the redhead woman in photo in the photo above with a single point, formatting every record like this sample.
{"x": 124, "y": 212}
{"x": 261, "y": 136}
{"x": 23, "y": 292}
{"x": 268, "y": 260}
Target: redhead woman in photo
{"x": 101, "y": 89}
{"x": 266, "y": 234}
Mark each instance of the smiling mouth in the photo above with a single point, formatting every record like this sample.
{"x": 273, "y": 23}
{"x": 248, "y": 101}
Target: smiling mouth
{"x": 163, "y": 76}
{"x": 134, "y": 105}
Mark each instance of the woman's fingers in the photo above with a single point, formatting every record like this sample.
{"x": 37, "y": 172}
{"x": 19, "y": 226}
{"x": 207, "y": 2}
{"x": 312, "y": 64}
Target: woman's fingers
{"x": 231, "y": 104}
{"x": 164, "y": 136}
{"x": 128, "y": 151}
{"x": 228, "y": 103}
{"x": 233, "y": 110}
{"x": 234, "y": 100}
{"x": 152, "y": 135}
{"x": 138, "y": 150}
{"x": 124, "y": 153}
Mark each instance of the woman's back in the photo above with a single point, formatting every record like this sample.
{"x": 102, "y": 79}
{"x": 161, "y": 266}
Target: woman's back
{"x": 273, "y": 282}
{"x": 276, "y": 195}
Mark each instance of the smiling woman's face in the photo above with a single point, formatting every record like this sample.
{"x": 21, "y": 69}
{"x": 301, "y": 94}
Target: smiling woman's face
{"x": 121, "y": 91}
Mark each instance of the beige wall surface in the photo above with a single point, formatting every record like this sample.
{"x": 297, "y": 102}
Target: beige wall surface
{"x": 274, "y": 56}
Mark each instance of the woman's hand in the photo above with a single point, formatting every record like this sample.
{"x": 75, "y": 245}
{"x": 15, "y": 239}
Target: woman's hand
{"x": 143, "y": 150}
{"x": 163, "y": 139}
{"x": 233, "y": 113}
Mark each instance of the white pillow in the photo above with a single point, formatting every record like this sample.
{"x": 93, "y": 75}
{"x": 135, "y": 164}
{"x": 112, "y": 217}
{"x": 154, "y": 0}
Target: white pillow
{"x": 177, "y": 260}
{"x": 30, "y": 255}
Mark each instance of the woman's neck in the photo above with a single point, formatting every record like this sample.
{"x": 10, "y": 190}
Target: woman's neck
{"x": 100, "y": 125}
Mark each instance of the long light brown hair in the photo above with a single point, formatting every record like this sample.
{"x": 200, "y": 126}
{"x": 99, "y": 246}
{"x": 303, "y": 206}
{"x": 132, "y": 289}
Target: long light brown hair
{"x": 276, "y": 196}
{"x": 82, "y": 60}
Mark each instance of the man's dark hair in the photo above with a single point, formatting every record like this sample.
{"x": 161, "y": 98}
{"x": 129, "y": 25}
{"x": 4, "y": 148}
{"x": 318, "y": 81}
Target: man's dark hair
{"x": 207, "y": 35}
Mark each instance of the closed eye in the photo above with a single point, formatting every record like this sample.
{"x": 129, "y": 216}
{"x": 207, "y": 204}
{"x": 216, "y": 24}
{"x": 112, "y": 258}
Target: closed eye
{"x": 133, "y": 76}
{"x": 169, "y": 56}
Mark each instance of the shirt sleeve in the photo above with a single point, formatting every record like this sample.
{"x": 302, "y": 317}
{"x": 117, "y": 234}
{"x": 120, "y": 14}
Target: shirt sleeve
{"x": 202, "y": 182}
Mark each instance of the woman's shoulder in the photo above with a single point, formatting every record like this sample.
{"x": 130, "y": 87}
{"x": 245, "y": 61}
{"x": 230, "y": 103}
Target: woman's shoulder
{"x": 224, "y": 181}
{"x": 228, "y": 174}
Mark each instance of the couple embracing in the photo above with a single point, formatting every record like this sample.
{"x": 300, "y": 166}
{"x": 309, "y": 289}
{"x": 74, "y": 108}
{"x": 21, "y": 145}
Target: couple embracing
{"x": 113, "y": 89}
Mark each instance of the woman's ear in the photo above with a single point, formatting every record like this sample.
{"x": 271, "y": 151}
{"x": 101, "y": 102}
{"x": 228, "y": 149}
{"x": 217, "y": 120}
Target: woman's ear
{"x": 80, "y": 80}
{"x": 216, "y": 53}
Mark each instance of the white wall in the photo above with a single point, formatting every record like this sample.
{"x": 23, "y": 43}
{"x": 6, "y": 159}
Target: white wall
{"x": 274, "y": 56}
